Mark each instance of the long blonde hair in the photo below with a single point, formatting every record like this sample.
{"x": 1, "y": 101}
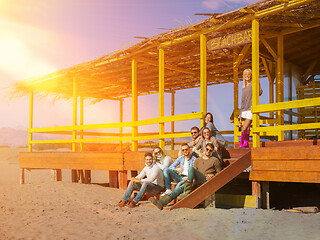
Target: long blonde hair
{"x": 247, "y": 70}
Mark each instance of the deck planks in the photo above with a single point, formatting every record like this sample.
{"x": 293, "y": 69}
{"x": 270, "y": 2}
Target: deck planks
{"x": 286, "y": 163}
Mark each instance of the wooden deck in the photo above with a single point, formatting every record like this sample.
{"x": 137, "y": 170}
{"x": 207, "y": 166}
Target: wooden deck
{"x": 288, "y": 161}
{"x": 286, "y": 164}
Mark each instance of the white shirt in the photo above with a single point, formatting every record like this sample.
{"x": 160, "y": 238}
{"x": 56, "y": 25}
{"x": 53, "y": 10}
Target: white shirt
{"x": 152, "y": 174}
{"x": 164, "y": 162}
{"x": 185, "y": 167}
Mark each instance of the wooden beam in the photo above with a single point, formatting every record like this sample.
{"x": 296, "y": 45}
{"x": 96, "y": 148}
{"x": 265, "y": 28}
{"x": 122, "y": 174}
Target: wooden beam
{"x": 269, "y": 48}
{"x": 161, "y": 95}
{"x": 134, "y": 86}
{"x": 167, "y": 66}
{"x": 71, "y": 160}
{"x": 203, "y": 76}
{"x": 283, "y": 176}
{"x": 309, "y": 70}
{"x": 242, "y": 55}
{"x": 255, "y": 78}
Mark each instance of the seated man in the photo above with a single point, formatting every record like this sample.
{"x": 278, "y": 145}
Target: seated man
{"x": 203, "y": 169}
{"x": 150, "y": 180}
{"x": 162, "y": 160}
{"x": 195, "y": 134}
{"x": 185, "y": 161}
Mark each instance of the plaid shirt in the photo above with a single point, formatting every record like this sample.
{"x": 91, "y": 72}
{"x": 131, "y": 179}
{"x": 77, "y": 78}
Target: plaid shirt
{"x": 180, "y": 160}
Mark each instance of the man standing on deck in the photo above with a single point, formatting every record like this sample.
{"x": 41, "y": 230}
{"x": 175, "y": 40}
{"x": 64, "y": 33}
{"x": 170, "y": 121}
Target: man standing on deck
{"x": 203, "y": 169}
{"x": 150, "y": 180}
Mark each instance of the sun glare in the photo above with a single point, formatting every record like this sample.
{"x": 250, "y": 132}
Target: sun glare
{"x": 18, "y": 61}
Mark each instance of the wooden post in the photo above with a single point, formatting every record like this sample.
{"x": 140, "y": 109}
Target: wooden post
{"x": 279, "y": 78}
{"x": 74, "y": 174}
{"x": 123, "y": 179}
{"x": 113, "y": 179}
{"x": 172, "y": 114}
{"x": 255, "y": 79}
{"x": 235, "y": 95}
{"x": 203, "y": 77}
{"x": 81, "y": 120}
{"x": 256, "y": 189}
{"x": 265, "y": 198}
{"x": 30, "y": 121}
{"x": 134, "y": 103}
{"x": 22, "y": 170}
{"x": 161, "y": 96}
{"x": 120, "y": 120}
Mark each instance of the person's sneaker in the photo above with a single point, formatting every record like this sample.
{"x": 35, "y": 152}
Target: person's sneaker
{"x": 132, "y": 204}
{"x": 167, "y": 192}
{"x": 122, "y": 203}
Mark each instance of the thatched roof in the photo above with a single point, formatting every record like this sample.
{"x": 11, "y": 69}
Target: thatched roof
{"x": 109, "y": 77}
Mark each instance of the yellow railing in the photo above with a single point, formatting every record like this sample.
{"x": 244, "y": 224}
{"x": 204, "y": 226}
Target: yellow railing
{"x": 142, "y": 136}
{"x": 272, "y": 107}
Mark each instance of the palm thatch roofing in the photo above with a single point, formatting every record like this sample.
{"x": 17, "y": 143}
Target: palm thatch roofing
{"x": 109, "y": 77}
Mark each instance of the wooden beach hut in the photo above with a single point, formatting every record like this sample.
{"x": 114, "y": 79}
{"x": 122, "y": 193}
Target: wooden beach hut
{"x": 279, "y": 40}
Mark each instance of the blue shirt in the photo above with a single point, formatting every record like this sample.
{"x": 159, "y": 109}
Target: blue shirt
{"x": 180, "y": 160}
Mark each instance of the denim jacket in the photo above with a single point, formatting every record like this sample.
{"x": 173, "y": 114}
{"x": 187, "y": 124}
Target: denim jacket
{"x": 180, "y": 160}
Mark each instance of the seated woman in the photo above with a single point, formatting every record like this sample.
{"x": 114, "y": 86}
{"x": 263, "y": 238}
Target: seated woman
{"x": 208, "y": 122}
{"x": 206, "y": 137}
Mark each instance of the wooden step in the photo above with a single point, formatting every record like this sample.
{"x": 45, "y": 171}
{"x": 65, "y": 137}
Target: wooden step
{"x": 215, "y": 183}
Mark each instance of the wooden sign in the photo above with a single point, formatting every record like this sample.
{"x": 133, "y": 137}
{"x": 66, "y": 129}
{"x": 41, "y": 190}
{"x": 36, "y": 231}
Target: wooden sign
{"x": 230, "y": 40}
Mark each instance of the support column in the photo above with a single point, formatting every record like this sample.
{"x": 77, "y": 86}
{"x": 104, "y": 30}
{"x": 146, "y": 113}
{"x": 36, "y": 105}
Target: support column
{"x": 256, "y": 189}
{"x": 74, "y": 174}
{"x": 161, "y": 96}
{"x": 23, "y": 170}
{"x": 86, "y": 176}
{"x": 203, "y": 77}
{"x": 134, "y": 103}
{"x": 265, "y": 195}
{"x": 172, "y": 114}
{"x": 30, "y": 121}
{"x": 235, "y": 96}
{"x": 271, "y": 96}
{"x": 255, "y": 79}
{"x": 279, "y": 79}
{"x": 81, "y": 121}
{"x": 120, "y": 120}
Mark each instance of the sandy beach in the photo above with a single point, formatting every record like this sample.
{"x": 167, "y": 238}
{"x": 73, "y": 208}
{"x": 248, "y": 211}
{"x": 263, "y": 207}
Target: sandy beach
{"x": 63, "y": 210}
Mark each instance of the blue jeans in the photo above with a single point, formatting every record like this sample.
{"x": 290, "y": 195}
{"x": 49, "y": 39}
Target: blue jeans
{"x": 169, "y": 174}
{"x": 178, "y": 189}
{"x": 198, "y": 177}
{"x": 151, "y": 188}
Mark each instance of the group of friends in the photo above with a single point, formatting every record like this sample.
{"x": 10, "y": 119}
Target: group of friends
{"x": 198, "y": 161}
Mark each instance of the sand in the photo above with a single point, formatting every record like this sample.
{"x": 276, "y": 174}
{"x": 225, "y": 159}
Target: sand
{"x": 63, "y": 210}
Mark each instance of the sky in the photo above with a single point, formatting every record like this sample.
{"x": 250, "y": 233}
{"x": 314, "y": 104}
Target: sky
{"x": 41, "y": 36}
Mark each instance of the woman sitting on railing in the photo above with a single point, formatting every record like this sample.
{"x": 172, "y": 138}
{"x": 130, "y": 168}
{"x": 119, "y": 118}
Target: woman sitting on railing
{"x": 206, "y": 137}
{"x": 245, "y": 110}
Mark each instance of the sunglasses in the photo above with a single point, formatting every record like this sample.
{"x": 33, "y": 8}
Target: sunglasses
{"x": 185, "y": 149}
{"x": 194, "y": 133}
{"x": 209, "y": 150}
{"x": 156, "y": 153}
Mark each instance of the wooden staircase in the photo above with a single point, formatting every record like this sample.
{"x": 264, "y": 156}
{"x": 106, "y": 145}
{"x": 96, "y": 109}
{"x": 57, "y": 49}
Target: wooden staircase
{"x": 236, "y": 161}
